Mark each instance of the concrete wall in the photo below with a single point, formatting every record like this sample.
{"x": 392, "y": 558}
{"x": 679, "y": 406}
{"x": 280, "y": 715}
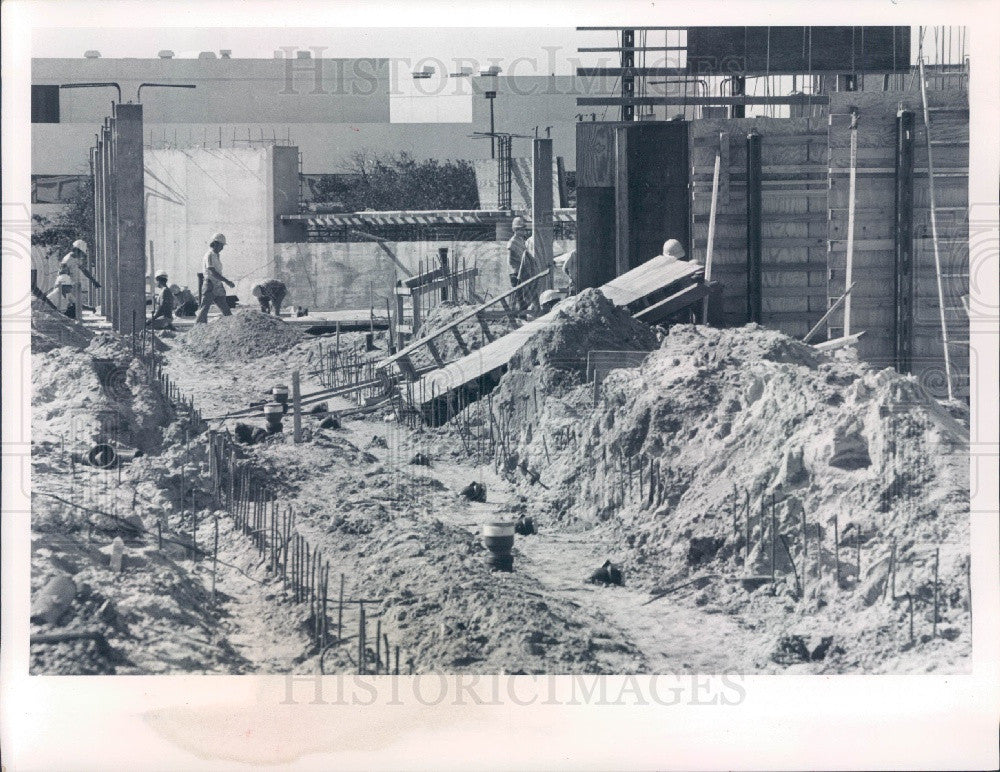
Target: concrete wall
{"x": 251, "y": 98}
{"x": 329, "y": 277}
{"x": 226, "y": 90}
{"x": 192, "y": 194}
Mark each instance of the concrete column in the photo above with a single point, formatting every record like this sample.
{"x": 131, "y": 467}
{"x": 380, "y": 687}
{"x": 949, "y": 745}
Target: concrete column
{"x": 131, "y": 218}
{"x": 541, "y": 205}
{"x": 95, "y": 176}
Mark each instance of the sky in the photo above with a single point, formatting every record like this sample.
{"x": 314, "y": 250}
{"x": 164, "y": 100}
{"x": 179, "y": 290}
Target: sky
{"x": 528, "y": 50}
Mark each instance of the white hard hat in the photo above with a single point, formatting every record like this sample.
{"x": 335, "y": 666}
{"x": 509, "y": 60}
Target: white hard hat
{"x": 673, "y": 248}
{"x": 518, "y": 222}
{"x": 64, "y": 278}
{"x": 218, "y": 237}
{"x": 161, "y": 274}
{"x": 549, "y": 296}
{"x": 81, "y": 245}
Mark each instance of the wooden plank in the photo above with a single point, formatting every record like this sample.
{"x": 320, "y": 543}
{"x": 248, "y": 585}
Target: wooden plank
{"x": 499, "y": 299}
{"x": 669, "y": 305}
{"x": 487, "y": 333}
{"x": 460, "y": 340}
{"x": 432, "y": 347}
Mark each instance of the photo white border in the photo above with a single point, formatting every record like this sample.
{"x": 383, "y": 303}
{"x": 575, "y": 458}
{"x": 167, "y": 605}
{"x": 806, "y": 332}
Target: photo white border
{"x": 222, "y": 722}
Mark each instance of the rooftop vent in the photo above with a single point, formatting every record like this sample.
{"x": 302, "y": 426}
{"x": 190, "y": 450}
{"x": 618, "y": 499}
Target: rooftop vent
{"x": 226, "y": 53}
{"x": 166, "y": 54}
{"x": 303, "y": 54}
{"x": 92, "y": 54}
{"x": 206, "y": 55}
{"x": 463, "y": 72}
{"x": 494, "y": 71}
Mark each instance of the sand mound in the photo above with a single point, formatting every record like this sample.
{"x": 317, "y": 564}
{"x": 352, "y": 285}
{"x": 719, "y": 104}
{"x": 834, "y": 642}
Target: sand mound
{"x": 244, "y": 335}
{"x": 98, "y": 393}
{"x": 50, "y": 329}
{"x": 717, "y": 418}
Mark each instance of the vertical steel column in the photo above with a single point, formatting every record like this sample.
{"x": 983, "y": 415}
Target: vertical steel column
{"x": 754, "y": 281}
{"x": 131, "y": 219}
{"x": 904, "y": 279}
{"x": 541, "y": 205}
{"x": 628, "y": 79}
{"x": 738, "y": 88}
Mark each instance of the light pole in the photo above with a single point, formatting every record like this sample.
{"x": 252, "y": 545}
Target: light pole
{"x": 491, "y": 93}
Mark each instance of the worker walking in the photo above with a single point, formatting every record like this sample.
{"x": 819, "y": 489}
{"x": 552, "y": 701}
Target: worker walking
{"x": 214, "y": 289}
{"x": 74, "y": 264}
{"x": 521, "y": 263}
{"x": 270, "y": 294}
{"x": 163, "y": 304}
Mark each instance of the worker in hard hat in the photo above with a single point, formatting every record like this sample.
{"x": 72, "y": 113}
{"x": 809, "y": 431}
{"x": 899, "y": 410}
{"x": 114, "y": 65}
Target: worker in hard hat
{"x": 549, "y": 299}
{"x": 270, "y": 294}
{"x": 163, "y": 304}
{"x": 61, "y": 296}
{"x": 214, "y": 289}
{"x": 672, "y": 248}
{"x": 75, "y": 265}
{"x": 521, "y": 263}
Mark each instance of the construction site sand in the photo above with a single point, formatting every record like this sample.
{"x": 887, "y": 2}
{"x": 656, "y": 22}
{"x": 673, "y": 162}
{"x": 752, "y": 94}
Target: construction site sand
{"x": 246, "y": 334}
{"x": 721, "y": 412}
{"x": 403, "y": 536}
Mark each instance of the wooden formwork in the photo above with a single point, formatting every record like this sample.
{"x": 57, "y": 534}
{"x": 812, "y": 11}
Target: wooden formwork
{"x": 874, "y": 254}
{"x": 793, "y": 216}
{"x": 804, "y": 217}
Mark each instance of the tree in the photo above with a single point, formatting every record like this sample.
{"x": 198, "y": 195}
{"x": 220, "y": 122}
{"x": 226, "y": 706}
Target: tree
{"x": 400, "y": 182}
{"x": 76, "y": 221}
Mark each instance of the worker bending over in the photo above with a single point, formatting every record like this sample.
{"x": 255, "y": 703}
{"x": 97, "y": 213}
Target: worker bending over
{"x": 61, "y": 295}
{"x": 270, "y": 294}
{"x": 163, "y": 304}
{"x": 214, "y": 289}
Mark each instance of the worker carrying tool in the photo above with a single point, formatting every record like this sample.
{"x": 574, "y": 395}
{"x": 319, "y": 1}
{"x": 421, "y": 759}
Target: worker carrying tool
{"x": 61, "y": 296}
{"x": 270, "y": 294}
{"x": 75, "y": 265}
{"x": 164, "y": 304}
{"x": 521, "y": 261}
{"x": 214, "y": 290}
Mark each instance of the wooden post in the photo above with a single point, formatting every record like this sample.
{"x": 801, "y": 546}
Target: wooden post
{"x": 892, "y": 569}
{"x": 857, "y": 536}
{"x": 378, "y": 646}
{"x": 385, "y": 642}
{"x": 397, "y": 661}
{"x": 215, "y": 556}
{"x": 361, "y": 637}
{"x": 937, "y": 559}
{"x": 296, "y": 407}
{"x": 836, "y": 547}
{"x": 903, "y": 238}
{"x": 909, "y": 598}
{"x": 774, "y": 536}
{"x": 710, "y": 243}
{"x": 753, "y": 227}
{"x": 340, "y": 611}
{"x": 851, "y": 195}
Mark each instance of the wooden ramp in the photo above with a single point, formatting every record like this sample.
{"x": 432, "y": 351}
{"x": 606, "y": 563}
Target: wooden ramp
{"x": 643, "y": 287}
